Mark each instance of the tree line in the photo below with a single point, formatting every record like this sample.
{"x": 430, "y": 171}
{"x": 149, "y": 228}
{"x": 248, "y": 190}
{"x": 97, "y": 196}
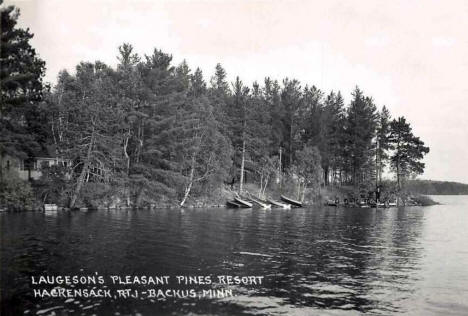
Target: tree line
{"x": 429, "y": 187}
{"x": 148, "y": 130}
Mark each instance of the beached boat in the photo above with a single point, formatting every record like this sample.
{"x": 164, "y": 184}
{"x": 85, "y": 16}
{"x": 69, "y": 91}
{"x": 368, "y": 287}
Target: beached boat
{"x": 279, "y": 204}
{"x": 293, "y": 202}
{"x": 233, "y": 204}
{"x": 363, "y": 203}
{"x": 260, "y": 203}
{"x": 391, "y": 204}
{"x": 243, "y": 202}
{"x": 378, "y": 204}
{"x": 50, "y": 207}
{"x": 331, "y": 203}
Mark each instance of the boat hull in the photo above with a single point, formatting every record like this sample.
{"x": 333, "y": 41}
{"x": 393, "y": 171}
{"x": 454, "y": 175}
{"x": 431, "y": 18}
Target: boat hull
{"x": 50, "y": 207}
{"x": 291, "y": 201}
{"x": 279, "y": 204}
{"x": 244, "y": 203}
{"x": 233, "y": 204}
{"x": 257, "y": 202}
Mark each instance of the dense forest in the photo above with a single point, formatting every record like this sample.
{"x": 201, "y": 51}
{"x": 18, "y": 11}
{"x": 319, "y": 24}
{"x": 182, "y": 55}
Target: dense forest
{"x": 149, "y": 131}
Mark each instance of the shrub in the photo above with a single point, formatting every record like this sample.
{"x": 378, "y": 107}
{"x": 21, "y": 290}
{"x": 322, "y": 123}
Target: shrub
{"x": 15, "y": 194}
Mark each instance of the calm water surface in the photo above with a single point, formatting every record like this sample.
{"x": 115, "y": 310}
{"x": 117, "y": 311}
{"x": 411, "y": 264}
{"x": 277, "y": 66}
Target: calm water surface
{"x": 316, "y": 261}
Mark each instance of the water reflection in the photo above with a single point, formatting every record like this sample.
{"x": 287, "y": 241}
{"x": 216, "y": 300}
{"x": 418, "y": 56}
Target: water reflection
{"x": 315, "y": 261}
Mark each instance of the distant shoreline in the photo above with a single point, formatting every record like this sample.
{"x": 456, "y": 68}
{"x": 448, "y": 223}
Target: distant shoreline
{"x": 431, "y": 187}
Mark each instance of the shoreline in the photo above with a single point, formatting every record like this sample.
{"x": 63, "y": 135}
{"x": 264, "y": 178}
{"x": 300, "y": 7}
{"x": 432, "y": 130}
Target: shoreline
{"x": 421, "y": 200}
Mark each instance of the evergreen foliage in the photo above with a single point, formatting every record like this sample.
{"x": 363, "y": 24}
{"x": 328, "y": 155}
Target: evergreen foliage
{"x": 150, "y": 131}
{"x": 21, "y": 73}
{"x": 408, "y": 151}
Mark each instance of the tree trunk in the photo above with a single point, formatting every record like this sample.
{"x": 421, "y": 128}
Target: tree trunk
{"x": 265, "y": 185}
{"x": 127, "y": 158}
{"x": 242, "y": 168}
{"x": 376, "y": 178}
{"x": 140, "y": 142}
{"x": 291, "y": 144}
{"x": 83, "y": 173}
{"x": 279, "y": 167}
{"x": 304, "y": 188}
{"x": 261, "y": 186}
{"x": 190, "y": 183}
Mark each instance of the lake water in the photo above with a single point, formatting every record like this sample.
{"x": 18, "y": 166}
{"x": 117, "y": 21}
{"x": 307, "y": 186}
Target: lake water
{"x": 314, "y": 261}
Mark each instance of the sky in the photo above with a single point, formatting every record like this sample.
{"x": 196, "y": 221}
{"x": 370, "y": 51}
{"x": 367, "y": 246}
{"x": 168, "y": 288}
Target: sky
{"x": 411, "y": 56}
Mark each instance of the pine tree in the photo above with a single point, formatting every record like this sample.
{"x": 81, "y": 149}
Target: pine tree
{"x": 238, "y": 113}
{"x": 21, "y": 89}
{"x": 408, "y": 150}
{"x": 198, "y": 85}
{"x": 88, "y": 135}
{"x": 291, "y": 99}
{"x": 360, "y": 131}
{"x": 199, "y": 152}
{"x": 155, "y": 176}
{"x": 219, "y": 94}
{"x": 313, "y": 126}
{"x": 276, "y": 111}
{"x": 335, "y": 118}
{"x": 259, "y": 131}
{"x": 382, "y": 143}
{"x": 131, "y": 104}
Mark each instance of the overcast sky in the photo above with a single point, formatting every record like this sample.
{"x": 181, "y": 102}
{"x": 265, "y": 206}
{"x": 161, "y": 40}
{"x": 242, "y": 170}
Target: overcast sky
{"x": 411, "y": 56}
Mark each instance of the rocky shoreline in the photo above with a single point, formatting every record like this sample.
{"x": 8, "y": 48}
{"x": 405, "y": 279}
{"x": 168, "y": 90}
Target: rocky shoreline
{"x": 418, "y": 200}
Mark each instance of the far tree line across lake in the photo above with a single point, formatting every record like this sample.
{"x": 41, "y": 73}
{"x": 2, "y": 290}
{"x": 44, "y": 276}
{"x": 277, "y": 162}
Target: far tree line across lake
{"x": 149, "y": 132}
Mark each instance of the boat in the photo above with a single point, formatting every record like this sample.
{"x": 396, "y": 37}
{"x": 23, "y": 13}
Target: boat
{"x": 294, "y": 203}
{"x": 391, "y": 204}
{"x": 331, "y": 203}
{"x": 243, "y": 202}
{"x": 260, "y": 203}
{"x": 233, "y": 204}
{"x": 377, "y": 204}
{"x": 364, "y": 203}
{"x": 279, "y": 204}
{"x": 50, "y": 207}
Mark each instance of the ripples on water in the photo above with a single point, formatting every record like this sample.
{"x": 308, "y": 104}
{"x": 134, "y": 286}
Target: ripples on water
{"x": 317, "y": 261}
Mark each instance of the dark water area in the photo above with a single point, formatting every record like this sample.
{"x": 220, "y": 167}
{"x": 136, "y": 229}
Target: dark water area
{"x": 315, "y": 261}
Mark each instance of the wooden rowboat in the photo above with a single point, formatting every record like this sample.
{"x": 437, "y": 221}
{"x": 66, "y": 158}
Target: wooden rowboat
{"x": 263, "y": 205}
{"x": 243, "y": 202}
{"x": 279, "y": 204}
{"x": 233, "y": 204}
{"x": 293, "y": 202}
{"x": 331, "y": 203}
{"x": 50, "y": 207}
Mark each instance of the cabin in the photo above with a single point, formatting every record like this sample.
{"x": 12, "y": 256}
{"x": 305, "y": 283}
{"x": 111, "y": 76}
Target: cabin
{"x": 30, "y": 168}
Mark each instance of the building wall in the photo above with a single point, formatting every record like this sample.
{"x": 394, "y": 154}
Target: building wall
{"x": 13, "y": 164}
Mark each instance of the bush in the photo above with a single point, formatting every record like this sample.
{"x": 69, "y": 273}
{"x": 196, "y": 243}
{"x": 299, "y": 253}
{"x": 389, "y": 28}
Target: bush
{"x": 53, "y": 187}
{"x": 15, "y": 194}
{"x": 96, "y": 194}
